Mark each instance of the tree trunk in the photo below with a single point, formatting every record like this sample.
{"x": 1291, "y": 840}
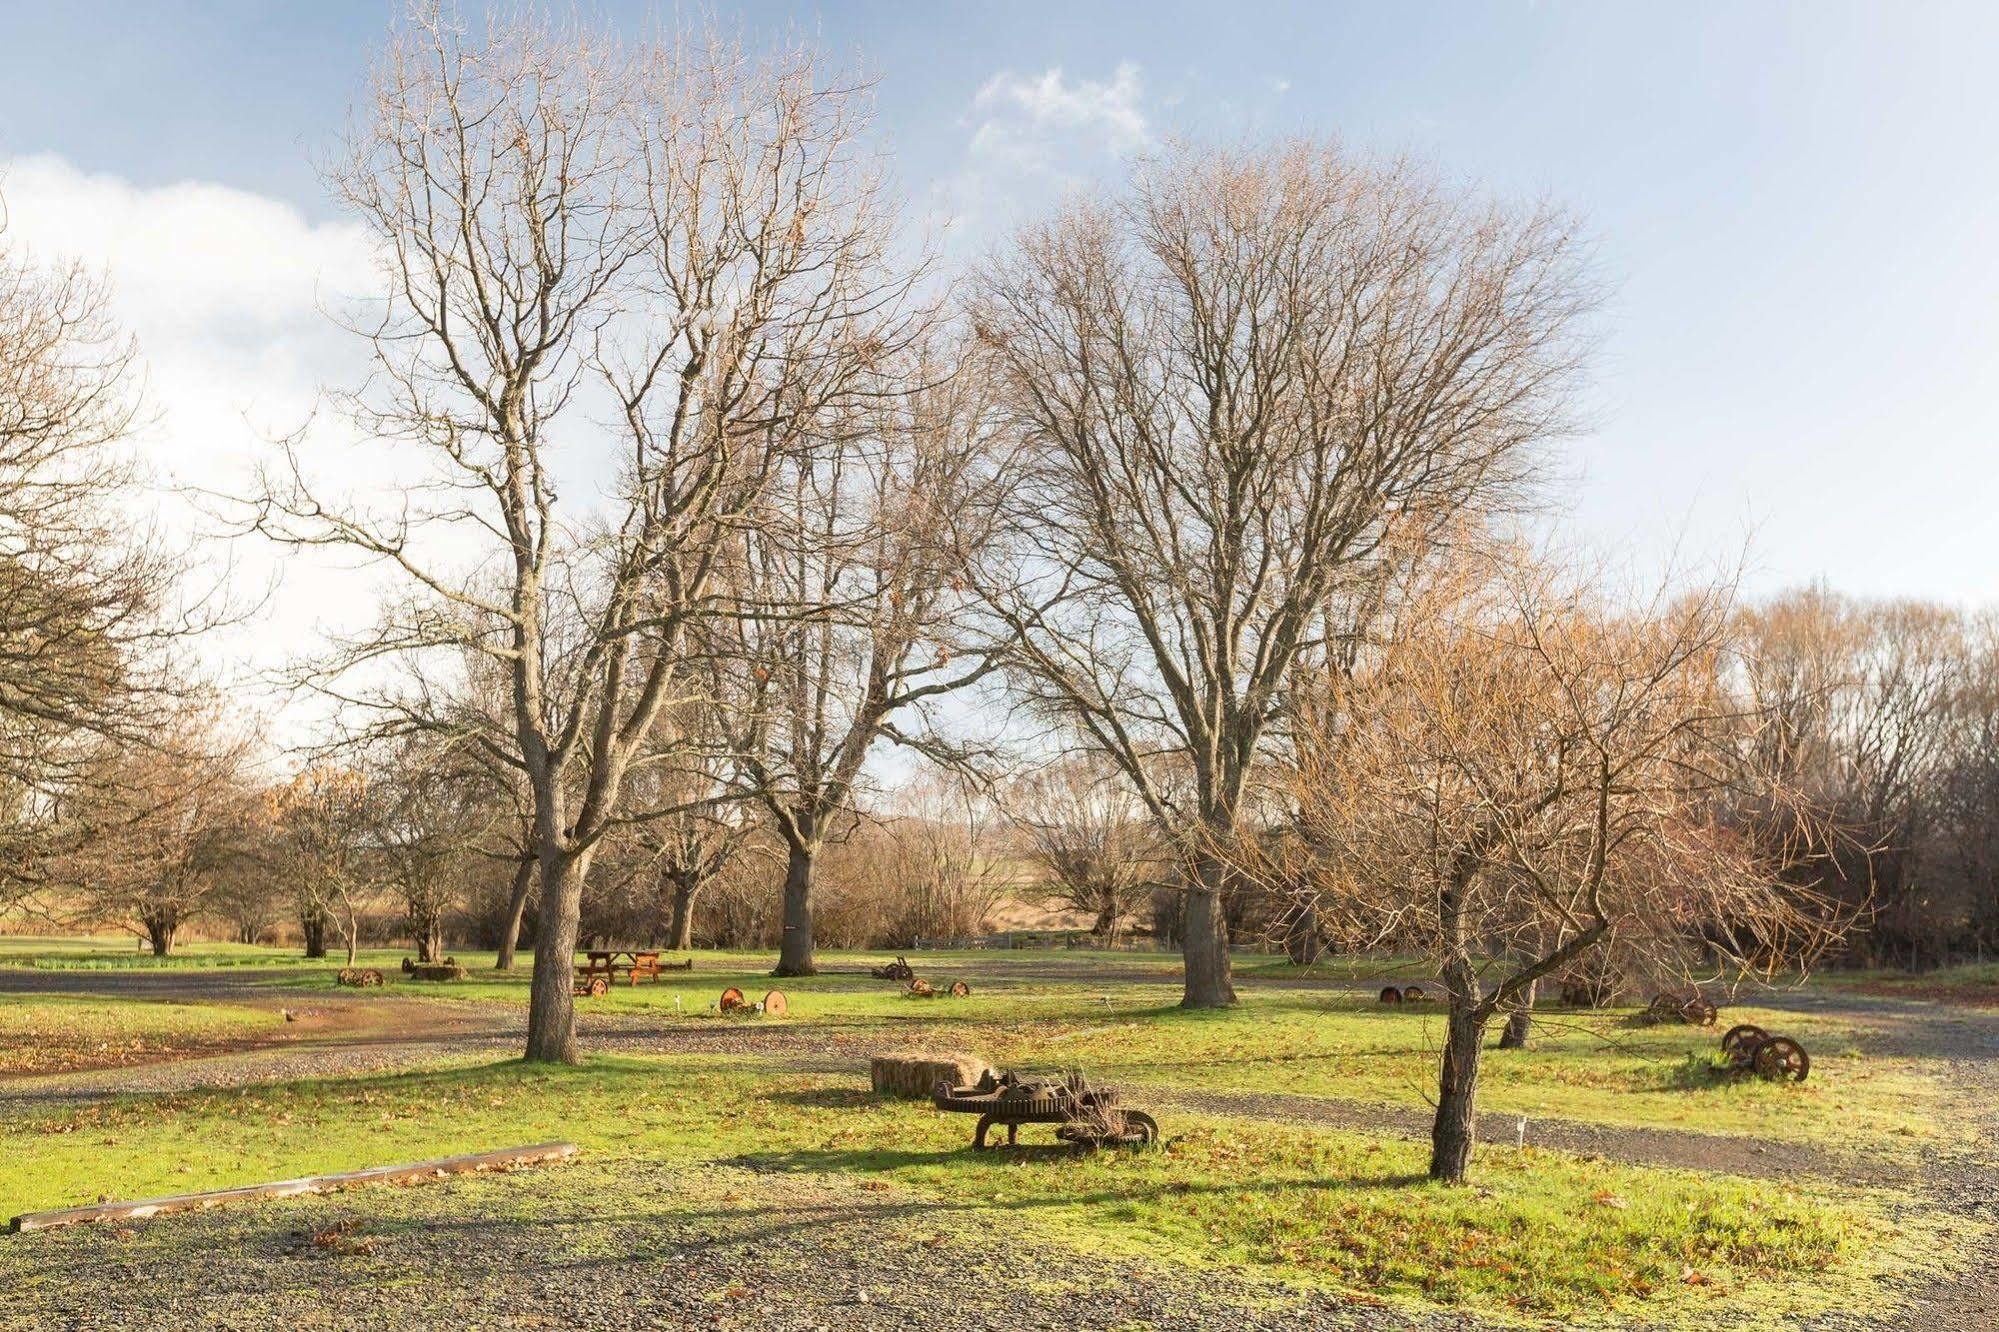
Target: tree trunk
{"x": 1105, "y": 927}
{"x": 1520, "y": 1021}
{"x": 680, "y": 930}
{"x": 517, "y": 905}
{"x": 160, "y": 934}
{"x": 1455, "y": 1129}
{"x": 429, "y": 934}
{"x": 313, "y": 926}
{"x": 551, "y": 996}
{"x": 794, "y": 954}
{"x": 1204, "y": 950}
{"x": 1302, "y": 943}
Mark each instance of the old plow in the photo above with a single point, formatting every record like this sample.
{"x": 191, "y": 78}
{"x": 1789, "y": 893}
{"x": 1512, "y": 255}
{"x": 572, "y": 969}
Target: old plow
{"x": 1084, "y": 1116}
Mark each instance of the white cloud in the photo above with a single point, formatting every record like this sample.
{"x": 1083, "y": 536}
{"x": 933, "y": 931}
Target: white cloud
{"x": 1033, "y": 136}
{"x": 1106, "y": 112}
{"x": 225, "y": 291}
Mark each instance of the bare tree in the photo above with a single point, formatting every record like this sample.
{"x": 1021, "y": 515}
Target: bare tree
{"x": 321, "y": 845}
{"x": 157, "y": 826}
{"x": 86, "y": 611}
{"x": 691, "y": 848}
{"x": 1226, "y": 387}
{"x": 847, "y": 610}
{"x": 1525, "y": 773}
{"x": 944, "y": 871}
{"x": 1865, "y": 700}
{"x": 689, "y": 238}
{"x": 428, "y": 822}
{"x": 1096, "y": 847}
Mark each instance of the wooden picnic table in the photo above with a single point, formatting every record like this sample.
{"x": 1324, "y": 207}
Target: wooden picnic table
{"x": 634, "y": 964}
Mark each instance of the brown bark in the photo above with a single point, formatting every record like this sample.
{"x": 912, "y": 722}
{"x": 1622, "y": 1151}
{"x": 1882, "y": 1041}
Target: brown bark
{"x": 313, "y": 927}
{"x": 517, "y": 905}
{"x": 1520, "y": 1019}
{"x": 1454, "y": 1131}
{"x": 1210, "y": 981}
{"x": 680, "y": 929}
{"x": 794, "y": 956}
{"x": 160, "y": 934}
{"x": 551, "y": 998}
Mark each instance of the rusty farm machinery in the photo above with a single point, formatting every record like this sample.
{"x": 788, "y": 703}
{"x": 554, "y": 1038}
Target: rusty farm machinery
{"x": 1085, "y": 1117}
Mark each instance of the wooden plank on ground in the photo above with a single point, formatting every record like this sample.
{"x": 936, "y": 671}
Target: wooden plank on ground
{"x": 285, "y": 1188}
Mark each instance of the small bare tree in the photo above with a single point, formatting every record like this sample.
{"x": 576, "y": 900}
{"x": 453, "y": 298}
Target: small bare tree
{"x": 321, "y": 844}
{"x": 428, "y": 823}
{"x": 1226, "y": 387}
{"x": 1083, "y": 828}
{"x": 156, "y": 828}
{"x": 1524, "y": 773}
{"x": 686, "y": 237}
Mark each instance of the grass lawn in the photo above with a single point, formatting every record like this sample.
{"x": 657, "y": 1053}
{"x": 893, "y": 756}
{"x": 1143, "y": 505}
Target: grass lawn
{"x": 1116, "y": 1016}
{"x": 1974, "y": 985}
{"x": 1542, "y": 1234}
{"x": 47, "y": 1034}
{"x": 1127, "y": 1025}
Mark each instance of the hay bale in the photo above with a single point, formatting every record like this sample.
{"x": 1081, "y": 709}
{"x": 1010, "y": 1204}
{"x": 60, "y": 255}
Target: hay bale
{"x": 916, "y": 1074}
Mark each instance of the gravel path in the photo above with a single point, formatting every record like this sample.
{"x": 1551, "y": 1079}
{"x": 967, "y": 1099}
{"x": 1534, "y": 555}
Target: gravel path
{"x": 729, "y": 1249}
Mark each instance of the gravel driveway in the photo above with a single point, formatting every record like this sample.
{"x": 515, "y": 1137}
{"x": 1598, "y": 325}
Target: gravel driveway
{"x": 727, "y": 1248}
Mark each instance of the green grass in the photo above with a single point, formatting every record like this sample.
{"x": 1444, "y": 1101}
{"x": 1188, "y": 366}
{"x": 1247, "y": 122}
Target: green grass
{"x": 1542, "y": 1234}
{"x": 48, "y": 1033}
{"x": 1969, "y": 976}
{"x": 1599, "y": 1067}
{"x": 1116, "y": 1015}
{"x": 120, "y": 952}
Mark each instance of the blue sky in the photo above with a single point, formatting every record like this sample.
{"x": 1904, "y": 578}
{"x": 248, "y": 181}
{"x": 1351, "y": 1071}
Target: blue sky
{"x": 1795, "y": 205}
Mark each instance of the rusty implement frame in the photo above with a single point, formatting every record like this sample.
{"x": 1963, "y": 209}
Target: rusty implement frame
{"x": 898, "y": 970}
{"x": 1086, "y": 1117}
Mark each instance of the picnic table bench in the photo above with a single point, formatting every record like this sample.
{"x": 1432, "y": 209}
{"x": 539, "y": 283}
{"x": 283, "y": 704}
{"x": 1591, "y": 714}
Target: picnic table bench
{"x": 634, "y": 964}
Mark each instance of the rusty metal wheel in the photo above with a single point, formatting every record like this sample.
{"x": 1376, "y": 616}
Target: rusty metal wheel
{"x": 732, "y": 999}
{"x": 1412, "y": 994}
{"x": 1737, "y": 1042}
{"x": 599, "y": 986}
{"x": 1140, "y": 1129}
{"x": 1390, "y": 995}
{"x": 959, "y": 989}
{"x": 775, "y": 1004}
{"x": 1781, "y": 1059}
{"x": 1698, "y": 1011}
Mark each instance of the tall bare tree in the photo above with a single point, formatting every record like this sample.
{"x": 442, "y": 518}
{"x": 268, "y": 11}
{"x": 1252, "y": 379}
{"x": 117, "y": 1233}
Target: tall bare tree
{"x": 86, "y": 602}
{"x": 848, "y": 609}
{"x": 692, "y": 240}
{"x": 1228, "y": 385}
